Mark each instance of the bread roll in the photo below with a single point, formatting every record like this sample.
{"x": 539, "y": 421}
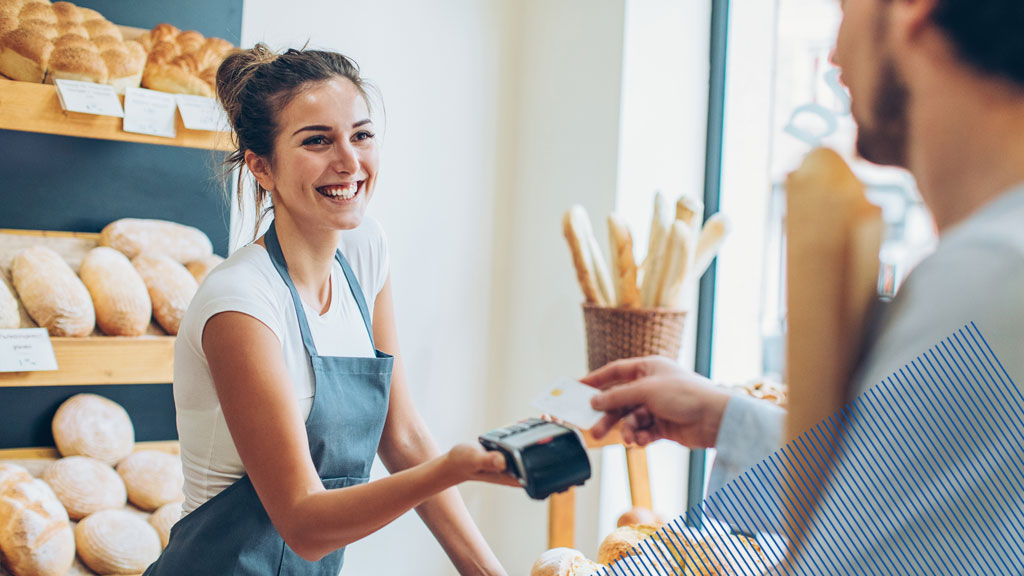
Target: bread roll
{"x": 152, "y": 478}
{"x": 80, "y": 64}
{"x": 116, "y": 542}
{"x": 93, "y": 426}
{"x": 85, "y": 486}
{"x": 200, "y": 268}
{"x": 133, "y": 236}
{"x": 575, "y": 228}
{"x": 10, "y": 316}
{"x": 51, "y": 293}
{"x": 119, "y": 295}
{"x": 660, "y": 224}
{"x": 622, "y": 541}
{"x": 623, "y": 263}
{"x": 164, "y": 519}
{"x": 35, "y": 535}
{"x": 564, "y": 562}
{"x": 170, "y": 286}
{"x": 25, "y": 54}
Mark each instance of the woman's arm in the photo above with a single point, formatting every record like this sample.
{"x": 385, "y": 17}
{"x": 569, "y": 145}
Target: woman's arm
{"x": 265, "y": 422}
{"x": 406, "y": 442}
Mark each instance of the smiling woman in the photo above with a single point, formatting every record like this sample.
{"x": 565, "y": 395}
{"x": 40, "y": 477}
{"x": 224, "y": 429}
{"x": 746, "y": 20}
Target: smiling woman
{"x": 288, "y": 378}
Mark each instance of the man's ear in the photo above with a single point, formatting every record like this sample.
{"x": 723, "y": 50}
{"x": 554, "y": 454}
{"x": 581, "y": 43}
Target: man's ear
{"x": 260, "y": 168}
{"x": 912, "y": 17}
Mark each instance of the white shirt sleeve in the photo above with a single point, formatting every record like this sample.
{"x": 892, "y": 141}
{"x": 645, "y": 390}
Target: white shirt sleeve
{"x": 751, "y": 430}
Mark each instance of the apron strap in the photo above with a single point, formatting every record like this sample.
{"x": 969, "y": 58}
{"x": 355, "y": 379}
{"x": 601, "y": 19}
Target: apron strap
{"x": 277, "y": 257}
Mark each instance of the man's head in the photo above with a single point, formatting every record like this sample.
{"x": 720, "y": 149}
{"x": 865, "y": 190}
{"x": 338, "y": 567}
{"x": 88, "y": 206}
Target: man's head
{"x": 877, "y": 36}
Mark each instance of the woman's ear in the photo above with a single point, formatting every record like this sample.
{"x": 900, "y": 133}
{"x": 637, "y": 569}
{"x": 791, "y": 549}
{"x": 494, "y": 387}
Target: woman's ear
{"x": 260, "y": 168}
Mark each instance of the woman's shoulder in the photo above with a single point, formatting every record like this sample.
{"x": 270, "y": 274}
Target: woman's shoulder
{"x": 246, "y": 271}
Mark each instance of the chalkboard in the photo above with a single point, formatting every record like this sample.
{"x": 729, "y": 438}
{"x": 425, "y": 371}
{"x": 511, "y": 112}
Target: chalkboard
{"x": 80, "y": 184}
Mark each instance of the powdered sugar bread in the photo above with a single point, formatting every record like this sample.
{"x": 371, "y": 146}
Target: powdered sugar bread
{"x": 51, "y": 292}
{"x": 35, "y": 535}
{"x": 171, "y": 288}
{"x": 116, "y": 542}
{"x": 85, "y": 485}
{"x": 118, "y": 293}
{"x": 164, "y": 519}
{"x": 152, "y": 478}
{"x": 133, "y": 236}
{"x": 94, "y": 426}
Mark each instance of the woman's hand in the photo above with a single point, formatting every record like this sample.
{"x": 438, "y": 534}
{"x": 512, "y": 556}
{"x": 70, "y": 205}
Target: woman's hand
{"x": 655, "y": 398}
{"x": 471, "y": 462}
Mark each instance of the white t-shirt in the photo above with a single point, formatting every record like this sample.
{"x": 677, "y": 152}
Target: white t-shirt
{"x": 247, "y": 282}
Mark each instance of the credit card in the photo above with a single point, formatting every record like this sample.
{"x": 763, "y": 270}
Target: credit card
{"x": 569, "y": 400}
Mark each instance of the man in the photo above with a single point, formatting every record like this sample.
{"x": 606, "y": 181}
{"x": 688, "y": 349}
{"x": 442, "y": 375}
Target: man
{"x": 937, "y": 87}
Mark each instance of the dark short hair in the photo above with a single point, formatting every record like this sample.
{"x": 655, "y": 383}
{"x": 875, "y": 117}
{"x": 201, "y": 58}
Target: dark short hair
{"x": 988, "y": 34}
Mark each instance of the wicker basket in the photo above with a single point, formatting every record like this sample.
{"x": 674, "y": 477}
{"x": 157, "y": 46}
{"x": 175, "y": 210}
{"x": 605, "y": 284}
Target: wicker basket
{"x": 614, "y": 333}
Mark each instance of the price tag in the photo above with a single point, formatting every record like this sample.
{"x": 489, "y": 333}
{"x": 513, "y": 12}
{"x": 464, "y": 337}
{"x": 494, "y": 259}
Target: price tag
{"x": 201, "y": 113}
{"x": 149, "y": 112}
{"x": 26, "y": 350}
{"x": 88, "y": 98}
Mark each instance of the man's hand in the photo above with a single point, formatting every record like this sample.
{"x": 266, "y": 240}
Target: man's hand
{"x": 655, "y": 398}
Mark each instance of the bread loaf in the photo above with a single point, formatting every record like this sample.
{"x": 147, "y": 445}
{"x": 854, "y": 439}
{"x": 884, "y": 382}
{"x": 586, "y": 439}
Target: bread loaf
{"x": 51, "y": 292}
{"x": 164, "y": 519}
{"x": 152, "y": 478}
{"x": 85, "y": 486}
{"x": 200, "y": 268}
{"x": 116, "y": 542}
{"x": 711, "y": 237}
{"x": 623, "y": 263}
{"x": 575, "y": 228}
{"x": 119, "y": 295}
{"x": 675, "y": 264}
{"x": 93, "y": 426}
{"x": 182, "y": 62}
{"x": 660, "y": 224}
{"x": 170, "y": 287}
{"x": 35, "y": 535}
{"x": 10, "y": 317}
{"x": 564, "y": 562}
{"x": 133, "y": 236}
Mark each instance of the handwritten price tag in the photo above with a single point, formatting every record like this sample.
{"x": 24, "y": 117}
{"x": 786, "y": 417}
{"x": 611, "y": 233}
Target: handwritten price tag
{"x": 26, "y": 350}
{"x": 88, "y": 98}
{"x": 149, "y": 112}
{"x": 201, "y": 113}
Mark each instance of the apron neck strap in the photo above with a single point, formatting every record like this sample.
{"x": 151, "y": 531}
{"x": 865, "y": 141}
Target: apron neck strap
{"x": 277, "y": 257}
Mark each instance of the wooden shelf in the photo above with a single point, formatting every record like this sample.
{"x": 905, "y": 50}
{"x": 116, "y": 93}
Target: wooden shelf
{"x": 29, "y": 107}
{"x": 50, "y": 453}
{"x": 103, "y": 360}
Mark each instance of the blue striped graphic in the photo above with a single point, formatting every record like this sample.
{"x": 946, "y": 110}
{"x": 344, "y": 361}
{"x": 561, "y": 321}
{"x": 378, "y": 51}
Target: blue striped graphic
{"x": 921, "y": 474}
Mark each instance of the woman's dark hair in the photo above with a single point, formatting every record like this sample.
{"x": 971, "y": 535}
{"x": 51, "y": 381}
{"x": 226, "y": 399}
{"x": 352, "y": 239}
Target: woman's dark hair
{"x": 988, "y": 34}
{"x": 255, "y": 85}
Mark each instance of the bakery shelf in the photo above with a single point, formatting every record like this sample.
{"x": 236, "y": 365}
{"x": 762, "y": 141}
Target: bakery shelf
{"x": 26, "y": 456}
{"x": 29, "y": 107}
{"x": 103, "y": 360}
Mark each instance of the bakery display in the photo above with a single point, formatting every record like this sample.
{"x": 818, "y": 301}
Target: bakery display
{"x": 171, "y": 287}
{"x": 182, "y": 62}
{"x": 93, "y": 426}
{"x": 43, "y": 42}
{"x": 152, "y": 478}
{"x": 133, "y": 236}
{"x": 116, "y": 542}
{"x": 53, "y": 295}
{"x": 35, "y": 534}
{"x": 119, "y": 295}
{"x": 85, "y": 485}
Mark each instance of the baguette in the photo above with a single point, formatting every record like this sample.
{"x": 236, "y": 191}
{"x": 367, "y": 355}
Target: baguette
{"x": 604, "y": 277}
{"x": 623, "y": 263}
{"x": 118, "y": 293}
{"x": 133, "y": 236}
{"x": 574, "y": 224}
{"x": 711, "y": 237}
{"x": 675, "y": 264}
{"x": 170, "y": 287}
{"x": 660, "y": 224}
{"x": 10, "y": 317}
{"x": 35, "y": 534}
{"x": 690, "y": 211}
{"x": 51, "y": 292}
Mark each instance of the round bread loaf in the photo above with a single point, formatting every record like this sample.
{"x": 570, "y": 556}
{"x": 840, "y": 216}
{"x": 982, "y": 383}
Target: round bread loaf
{"x": 51, "y": 292}
{"x": 133, "y": 236}
{"x": 564, "y": 562}
{"x": 10, "y": 317}
{"x": 170, "y": 287}
{"x": 35, "y": 535}
{"x": 622, "y": 541}
{"x": 93, "y": 426}
{"x": 116, "y": 542}
{"x": 118, "y": 293}
{"x": 152, "y": 478}
{"x": 164, "y": 519}
{"x": 85, "y": 485}
{"x": 200, "y": 268}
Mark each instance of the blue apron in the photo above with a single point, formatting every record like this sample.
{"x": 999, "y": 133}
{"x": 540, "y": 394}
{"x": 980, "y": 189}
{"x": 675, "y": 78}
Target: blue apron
{"x": 231, "y": 533}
